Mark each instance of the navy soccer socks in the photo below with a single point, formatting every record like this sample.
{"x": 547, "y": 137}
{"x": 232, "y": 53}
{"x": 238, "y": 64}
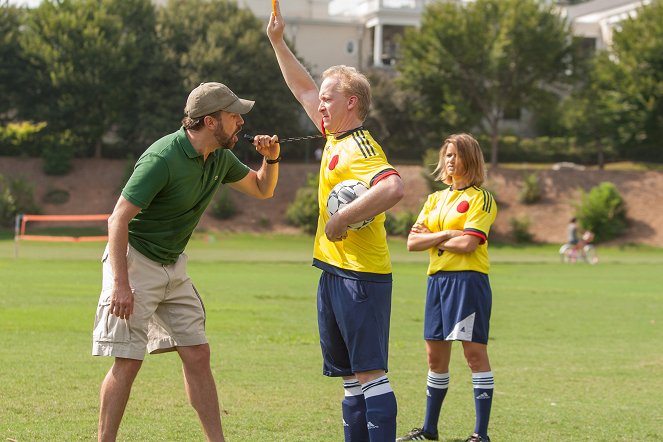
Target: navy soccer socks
{"x": 381, "y": 409}
{"x": 484, "y": 385}
{"x": 354, "y": 412}
{"x": 437, "y": 386}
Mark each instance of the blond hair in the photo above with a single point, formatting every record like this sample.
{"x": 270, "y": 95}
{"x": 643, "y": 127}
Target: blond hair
{"x": 351, "y": 82}
{"x": 471, "y": 156}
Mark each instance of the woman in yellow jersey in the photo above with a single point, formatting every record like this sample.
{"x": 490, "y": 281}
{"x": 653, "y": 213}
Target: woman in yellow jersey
{"x": 453, "y": 226}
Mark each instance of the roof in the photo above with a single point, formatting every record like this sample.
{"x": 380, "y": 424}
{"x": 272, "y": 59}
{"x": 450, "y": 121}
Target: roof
{"x": 601, "y": 6}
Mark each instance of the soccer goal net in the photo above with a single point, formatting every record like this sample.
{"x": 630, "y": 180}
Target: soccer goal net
{"x": 23, "y": 219}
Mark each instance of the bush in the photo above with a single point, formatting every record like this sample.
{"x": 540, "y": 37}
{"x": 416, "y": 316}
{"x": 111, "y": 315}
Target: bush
{"x": 58, "y": 151}
{"x": 602, "y": 210}
{"x": 531, "y": 192}
{"x": 22, "y": 191}
{"x": 7, "y": 204}
{"x": 400, "y": 223}
{"x": 520, "y": 229}
{"x": 303, "y": 212}
{"x": 56, "y": 196}
{"x": 264, "y": 222}
{"x": 21, "y": 138}
{"x": 223, "y": 206}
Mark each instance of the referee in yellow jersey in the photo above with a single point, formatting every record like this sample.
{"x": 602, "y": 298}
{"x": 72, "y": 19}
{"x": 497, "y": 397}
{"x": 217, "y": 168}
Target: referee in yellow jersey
{"x": 354, "y": 292}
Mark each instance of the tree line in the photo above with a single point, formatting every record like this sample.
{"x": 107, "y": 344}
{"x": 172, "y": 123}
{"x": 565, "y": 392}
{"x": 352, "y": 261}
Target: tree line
{"x": 112, "y": 76}
{"x": 108, "y": 77}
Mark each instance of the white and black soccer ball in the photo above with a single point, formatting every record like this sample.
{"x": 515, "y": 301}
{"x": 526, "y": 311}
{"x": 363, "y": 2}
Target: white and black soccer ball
{"x": 344, "y": 193}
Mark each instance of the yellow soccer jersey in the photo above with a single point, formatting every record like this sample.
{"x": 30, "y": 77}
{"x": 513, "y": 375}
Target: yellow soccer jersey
{"x": 471, "y": 210}
{"x": 354, "y": 155}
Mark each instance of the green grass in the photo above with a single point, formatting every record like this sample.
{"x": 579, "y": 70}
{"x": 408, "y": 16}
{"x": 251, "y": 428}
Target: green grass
{"x": 575, "y": 349}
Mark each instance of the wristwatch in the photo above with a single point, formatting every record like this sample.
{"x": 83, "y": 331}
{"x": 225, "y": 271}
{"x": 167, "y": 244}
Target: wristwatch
{"x": 268, "y": 161}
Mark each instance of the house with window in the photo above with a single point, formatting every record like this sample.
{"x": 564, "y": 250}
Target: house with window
{"x": 596, "y": 20}
{"x": 362, "y": 33}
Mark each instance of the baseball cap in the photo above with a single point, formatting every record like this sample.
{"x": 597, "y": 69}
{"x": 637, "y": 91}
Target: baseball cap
{"x": 211, "y": 97}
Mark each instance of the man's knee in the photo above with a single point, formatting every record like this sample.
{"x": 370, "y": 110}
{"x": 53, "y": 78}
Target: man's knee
{"x": 126, "y": 368}
{"x": 368, "y": 376}
{"x": 195, "y": 355}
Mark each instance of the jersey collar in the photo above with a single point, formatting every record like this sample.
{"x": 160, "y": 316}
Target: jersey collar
{"x": 348, "y": 133}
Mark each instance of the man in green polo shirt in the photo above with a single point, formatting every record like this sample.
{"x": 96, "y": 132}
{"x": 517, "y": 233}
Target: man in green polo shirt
{"x": 147, "y": 302}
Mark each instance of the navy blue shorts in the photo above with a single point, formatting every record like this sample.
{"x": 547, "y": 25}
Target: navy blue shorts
{"x": 353, "y": 320}
{"x": 458, "y": 306}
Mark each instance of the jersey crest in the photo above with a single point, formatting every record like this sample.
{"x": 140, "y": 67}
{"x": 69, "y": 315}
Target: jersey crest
{"x": 333, "y": 162}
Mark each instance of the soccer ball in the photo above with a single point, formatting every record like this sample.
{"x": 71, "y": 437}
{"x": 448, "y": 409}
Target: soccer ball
{"x": 344, "y": 193}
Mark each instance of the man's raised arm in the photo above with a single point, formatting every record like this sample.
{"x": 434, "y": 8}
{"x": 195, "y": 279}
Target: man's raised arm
{"x": 296, "y": 76}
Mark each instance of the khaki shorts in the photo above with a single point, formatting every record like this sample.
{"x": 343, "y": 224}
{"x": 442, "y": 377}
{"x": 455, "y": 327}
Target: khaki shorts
{"x": 168, "y": 311}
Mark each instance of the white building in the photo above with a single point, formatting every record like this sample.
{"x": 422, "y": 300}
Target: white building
{"x": 596, "y": 20}
{"x": 361, "y": 33}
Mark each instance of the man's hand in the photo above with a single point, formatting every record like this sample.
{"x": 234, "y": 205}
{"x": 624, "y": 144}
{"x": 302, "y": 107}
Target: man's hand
{"x": 267, "y": 146}
{"x": 122, "y": 301}
{"x": 336, "y": 228}
{"x": 276, "y": 25}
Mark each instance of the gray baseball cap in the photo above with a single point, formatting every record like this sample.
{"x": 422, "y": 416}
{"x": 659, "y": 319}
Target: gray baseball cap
{"x": 211, "y": 97}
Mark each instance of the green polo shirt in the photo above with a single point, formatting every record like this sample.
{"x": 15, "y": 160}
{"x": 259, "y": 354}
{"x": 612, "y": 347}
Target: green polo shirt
{"x": 173, "y": 186}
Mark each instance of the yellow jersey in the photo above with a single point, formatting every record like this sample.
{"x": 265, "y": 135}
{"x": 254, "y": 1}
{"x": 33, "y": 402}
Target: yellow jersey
{"x": 353, "y": 155}
{"x": 471, "y": 210}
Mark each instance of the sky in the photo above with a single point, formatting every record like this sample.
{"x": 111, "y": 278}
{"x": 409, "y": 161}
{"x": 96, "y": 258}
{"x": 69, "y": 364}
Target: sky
{"x": 30, "y": 3}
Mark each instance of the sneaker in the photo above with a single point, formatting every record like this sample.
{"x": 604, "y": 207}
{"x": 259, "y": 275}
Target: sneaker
{"x": 476, "y": 438}
{"x": 417, "y": 434}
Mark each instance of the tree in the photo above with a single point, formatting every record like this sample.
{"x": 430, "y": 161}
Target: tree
{"x": 392, "y": 122}
{"x": 630, "y": 78}
{"x": 14, "y": 69}
{"x": 97, "y": 64}
{"x": 216, "y": 40}
{"x": 591, "y": 113}
{"x": 468, "y": 64}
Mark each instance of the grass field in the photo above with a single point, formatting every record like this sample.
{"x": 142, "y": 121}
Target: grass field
{"x": 576, "y": 350}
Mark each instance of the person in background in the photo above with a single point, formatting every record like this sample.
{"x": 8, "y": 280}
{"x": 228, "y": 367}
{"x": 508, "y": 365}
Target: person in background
{"x": 148, "y": 302}
{"x": 572, "y": 238}
{"x": 453, "y": 227}
{"x": 354, "y": 291}
{"x": 588, "y": 248}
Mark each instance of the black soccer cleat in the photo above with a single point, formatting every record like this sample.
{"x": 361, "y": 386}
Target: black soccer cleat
{"x": 417, "y": 434}
{"x": 476, "y": 438}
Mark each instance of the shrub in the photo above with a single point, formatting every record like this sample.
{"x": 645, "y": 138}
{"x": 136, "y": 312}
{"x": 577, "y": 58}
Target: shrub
{"x": 23, "y": 192}
{"x": 56, "y": 196}
{"x": 602, "y": 210}
{"x": 303, "y": 212}
{"x": 7, "y": 204}
{"x": 264, "y": 222}
{"x": 531, "y": 192}
{"x": 223, "y": 206}
{"x": 400, "y": 223}
{"x": 15, "y": 197}
{"x": 21, "y": 138}
{"x": 58, "y": 152}
{"x": 520, "y": 229}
